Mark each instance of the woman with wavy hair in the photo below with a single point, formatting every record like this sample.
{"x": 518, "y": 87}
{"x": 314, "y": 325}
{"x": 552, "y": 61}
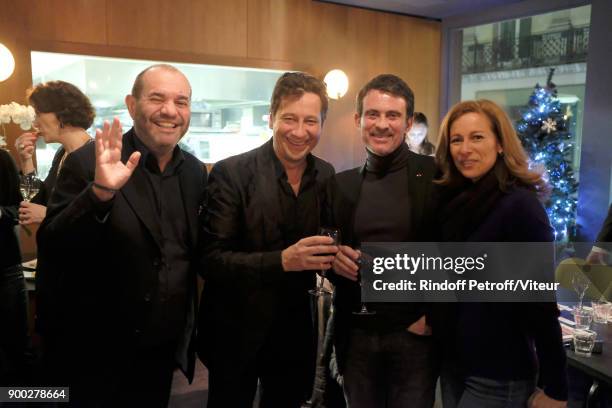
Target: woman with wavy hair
{"x": 495, "y": 354}
{"x": 63, "y": 113}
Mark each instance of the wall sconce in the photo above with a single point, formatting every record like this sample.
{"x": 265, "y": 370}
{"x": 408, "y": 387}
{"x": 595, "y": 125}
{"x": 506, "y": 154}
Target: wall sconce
{"x": 337, "y": 83}
{"x": 7, "y": 63}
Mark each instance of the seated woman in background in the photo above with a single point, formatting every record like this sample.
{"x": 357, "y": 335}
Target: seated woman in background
{"x": 417, "y": 136}
{"x": 13, "y": 300}
{"x": 493, "y": 352}
{"x": 63, "y": 113}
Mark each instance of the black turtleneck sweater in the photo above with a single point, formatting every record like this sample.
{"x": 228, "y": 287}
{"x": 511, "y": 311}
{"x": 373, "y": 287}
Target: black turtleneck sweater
{"x": 383, "y": 210}
{"x": 383, "y": 215}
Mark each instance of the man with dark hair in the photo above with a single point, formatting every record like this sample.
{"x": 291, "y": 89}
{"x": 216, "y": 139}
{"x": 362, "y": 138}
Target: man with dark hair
{"x": 261, "y": 251}
{"x": 386, "y": 359}
{"x": 116, "y": 282}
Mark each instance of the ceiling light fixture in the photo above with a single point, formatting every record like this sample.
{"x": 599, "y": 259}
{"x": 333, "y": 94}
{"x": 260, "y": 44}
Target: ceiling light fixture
{"x": 7, "y": 63}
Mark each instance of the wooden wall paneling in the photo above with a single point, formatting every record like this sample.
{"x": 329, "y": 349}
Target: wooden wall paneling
{"x": 297, "y": 30}
{"x": 204, "y": 26}
{"x": 68, "y": 20}
{"x": 276, "y": 29}
{"x": 14, "y": 35}
{"x": 420, "y": 60}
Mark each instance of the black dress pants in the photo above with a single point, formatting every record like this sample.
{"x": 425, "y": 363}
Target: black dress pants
{"x": 284, "y": 367}
{"x": 100, "y": 377}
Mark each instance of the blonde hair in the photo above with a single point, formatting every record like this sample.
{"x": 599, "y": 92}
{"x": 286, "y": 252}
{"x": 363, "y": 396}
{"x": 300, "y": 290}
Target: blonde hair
{"x": 511, "y": 169}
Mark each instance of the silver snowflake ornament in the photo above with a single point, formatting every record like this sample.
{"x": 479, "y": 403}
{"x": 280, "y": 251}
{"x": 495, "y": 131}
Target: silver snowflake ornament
{"x": 549, "y": 126}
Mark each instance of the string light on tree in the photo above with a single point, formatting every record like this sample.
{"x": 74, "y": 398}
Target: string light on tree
{"x": 543, "y": 129}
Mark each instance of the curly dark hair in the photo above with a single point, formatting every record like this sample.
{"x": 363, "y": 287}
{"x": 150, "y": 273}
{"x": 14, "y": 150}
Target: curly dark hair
{"x": 295, "y": 84}
{"x": 71, "y": 106}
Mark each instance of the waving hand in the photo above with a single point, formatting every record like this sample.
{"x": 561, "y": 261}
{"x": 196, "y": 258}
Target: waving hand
{"x": 111, "y": 172}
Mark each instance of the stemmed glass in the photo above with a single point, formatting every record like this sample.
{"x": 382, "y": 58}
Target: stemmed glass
{"x": 364, "y": 311}
{"x": 334, "y": 233}
{"x": 581, "y": 284}
{"x": 29, "y": 185}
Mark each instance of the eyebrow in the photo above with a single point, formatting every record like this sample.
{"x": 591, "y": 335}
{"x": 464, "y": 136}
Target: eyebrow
{"x": 163, "y": 95}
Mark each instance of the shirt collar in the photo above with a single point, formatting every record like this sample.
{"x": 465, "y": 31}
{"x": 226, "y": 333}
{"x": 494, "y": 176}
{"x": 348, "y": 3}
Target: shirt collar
{"x": 149, "y": 161}
{"x": 279, "y": 169}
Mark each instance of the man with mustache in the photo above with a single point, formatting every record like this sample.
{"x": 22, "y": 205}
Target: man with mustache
{"x": 386, "y": 359}
{"x": 116, "y": 283}
{"x": 261, "y": 251}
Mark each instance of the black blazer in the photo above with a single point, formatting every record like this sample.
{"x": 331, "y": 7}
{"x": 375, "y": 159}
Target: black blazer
{"x": 10, "y": 198}
{"x": 243, "y": 242}
{"x": 342, "y": 195}
{"x": 94, "y": 278}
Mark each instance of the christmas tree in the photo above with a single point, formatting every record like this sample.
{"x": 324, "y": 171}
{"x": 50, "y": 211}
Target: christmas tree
{"x": 543, "y": 130}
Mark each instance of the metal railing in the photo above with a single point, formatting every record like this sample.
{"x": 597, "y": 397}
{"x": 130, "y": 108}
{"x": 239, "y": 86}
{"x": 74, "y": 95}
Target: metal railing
{"x": 559, "y": 47}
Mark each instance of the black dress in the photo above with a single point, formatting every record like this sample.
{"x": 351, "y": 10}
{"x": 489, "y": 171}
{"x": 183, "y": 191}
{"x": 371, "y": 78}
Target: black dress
{"x": 44, "y": 194}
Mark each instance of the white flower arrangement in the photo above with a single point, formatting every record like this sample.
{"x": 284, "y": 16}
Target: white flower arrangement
{"x": 19, "y": 114}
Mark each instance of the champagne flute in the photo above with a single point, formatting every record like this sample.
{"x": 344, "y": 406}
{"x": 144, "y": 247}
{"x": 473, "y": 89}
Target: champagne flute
{"x": 581, "y": 284}
{"x": 364, "y": 311}
{"x": 333, "y": 233}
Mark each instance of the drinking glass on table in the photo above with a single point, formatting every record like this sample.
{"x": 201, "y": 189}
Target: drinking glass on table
{"x": 601, "y": 309}
{"x": 584, "y": 341}
{"x": 582, "y": 317}
{"x": 333, "y": 233}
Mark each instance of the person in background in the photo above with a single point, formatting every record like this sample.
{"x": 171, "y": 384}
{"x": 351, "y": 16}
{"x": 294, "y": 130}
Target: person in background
{"x": 261, "y": 251}
{"x": 13, "y": 298}
{"x": 117, "y": 264}
{"x": 416, "y": 137}
{"x": 493, "y": 352}
{"x": 63, "y": 113}
{"x": 600, "y": 253}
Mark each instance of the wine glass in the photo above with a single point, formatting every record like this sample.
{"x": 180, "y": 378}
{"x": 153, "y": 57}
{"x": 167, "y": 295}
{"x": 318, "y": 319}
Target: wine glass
{"x": 29, "y": 185}
{"x": 580, "y": 284}
{"x": 363, "y": 311}
{"x": 333, "y": 233}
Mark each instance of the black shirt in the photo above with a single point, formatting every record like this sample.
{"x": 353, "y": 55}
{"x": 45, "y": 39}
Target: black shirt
{"x": 168, "y": 304}
{"x": 300, "y": 219}
{"x": 383, "y": 215}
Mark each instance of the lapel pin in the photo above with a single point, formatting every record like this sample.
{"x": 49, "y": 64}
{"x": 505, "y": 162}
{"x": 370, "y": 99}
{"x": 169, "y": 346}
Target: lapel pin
{"x": 419, "y": 174}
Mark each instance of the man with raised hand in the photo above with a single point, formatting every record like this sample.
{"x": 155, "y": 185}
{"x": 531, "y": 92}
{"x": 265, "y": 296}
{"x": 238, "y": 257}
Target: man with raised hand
{"x": 117, "y": 254}
{"x": 261, "y": 253}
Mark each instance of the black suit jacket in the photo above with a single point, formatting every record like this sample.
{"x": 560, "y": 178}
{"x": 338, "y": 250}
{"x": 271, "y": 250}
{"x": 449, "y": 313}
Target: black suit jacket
{"x": 243, "y": 242}
{"x": 342, "y": 196}
{"x": 95, "y": 278}
{"x": 604, "y": 238}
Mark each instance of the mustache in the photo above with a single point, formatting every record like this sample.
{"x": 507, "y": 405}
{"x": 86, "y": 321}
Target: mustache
{"x": 381, "y": 133}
